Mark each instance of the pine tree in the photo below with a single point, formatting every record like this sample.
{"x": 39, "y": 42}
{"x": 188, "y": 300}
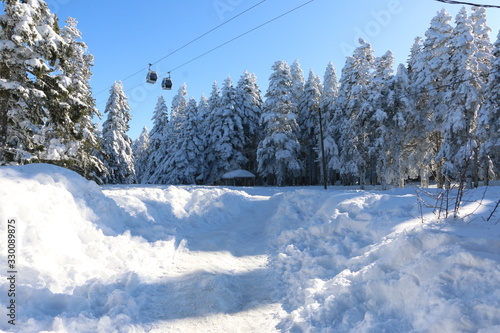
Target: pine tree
{"x": 227, "y": 136}
{"x": 77, "y": 68}
{"x": 214, "y": 102}
{"x": 203, "y": 112}
{"x": 481, "y": 33}
{"x": 399, "y": 108}
{"x": 30, "y": 95}
{"x": 164, "y": 171}
{"x": 418, "y": 146}
{"x": 298, "y": 82}
{"x": 413, "y": 63}
{"x": 278, "y": 152}
{"x": 484, "y": 58}
{"x": 328, "y": 105}
{"x": 158, "y": 145}
{"x": 352, "y": 114}
{"x": 308, "y": 122}
{"x": 427, "y": 77}
{"x": 185, "y": 159}
{"x": 249, "y": 101}
{"x": 376, "y": 124}
{"x": 463, "y": 98}
{"x": 488, "y": 132}
{"x": 140, "y": 149}
{"x": 117, "y": 146}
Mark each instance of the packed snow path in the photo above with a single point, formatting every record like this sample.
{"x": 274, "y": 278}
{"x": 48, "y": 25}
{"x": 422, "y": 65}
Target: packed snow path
{"x": 217, "y": 279}
{"x": 214, "y": 259}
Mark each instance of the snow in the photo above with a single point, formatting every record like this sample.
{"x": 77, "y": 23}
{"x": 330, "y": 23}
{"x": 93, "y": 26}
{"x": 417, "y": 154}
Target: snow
{"x": 137, "y": 258}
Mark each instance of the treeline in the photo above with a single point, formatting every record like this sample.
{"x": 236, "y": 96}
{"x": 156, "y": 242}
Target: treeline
{"x": 437, "y": 117}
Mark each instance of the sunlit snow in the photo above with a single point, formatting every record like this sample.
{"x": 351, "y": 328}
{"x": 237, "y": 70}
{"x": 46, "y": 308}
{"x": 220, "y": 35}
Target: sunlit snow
{"x": 135, "y": 258}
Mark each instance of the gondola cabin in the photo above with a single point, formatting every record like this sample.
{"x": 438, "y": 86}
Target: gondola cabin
{"x": 166, "y": 84}
{"x": 151, "y": 77}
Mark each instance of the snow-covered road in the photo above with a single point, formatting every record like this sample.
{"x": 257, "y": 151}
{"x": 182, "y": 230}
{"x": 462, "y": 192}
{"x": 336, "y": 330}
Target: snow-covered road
{"x": 215, "y": 259}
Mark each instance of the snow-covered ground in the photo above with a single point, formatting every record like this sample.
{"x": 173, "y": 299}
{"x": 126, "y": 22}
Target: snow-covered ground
{"x": 215, "y": 259}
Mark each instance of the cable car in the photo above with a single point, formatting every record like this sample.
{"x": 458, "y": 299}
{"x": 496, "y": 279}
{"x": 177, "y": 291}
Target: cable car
{"x": 166, "y": 84}
{"x": 152, "y": 76}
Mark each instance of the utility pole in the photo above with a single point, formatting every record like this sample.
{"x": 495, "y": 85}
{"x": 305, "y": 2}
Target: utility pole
{"x": 323, "y": 158}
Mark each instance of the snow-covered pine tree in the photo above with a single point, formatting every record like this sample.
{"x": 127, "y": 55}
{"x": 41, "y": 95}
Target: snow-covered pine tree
{"x": 427, "y": 77}
{"x": 328, "y": 106}
{"x": 463, "y": 87}
{"x": 227, "y": 136}
{"x": 249, "y": 101}
{"x": 82, "y": 110}
{"x": 376, "y": 124}
{"x": 167, "y": 165}
{"x": 213, "y": 105}
{"x": 481, "y": 33}
{"x": 185, "y": 159}
{"x": 203, "y": 112}
{"x": 30, "y": 95}
{"x": 203, "y": 107}
{"x": 414, "y": 58}
{"x": 140, "y": 149}
{"x": 158, "y": 145}
{"x": 419, "y": 155}
{"x": 488, "y": 132}
{"x": 308, "y": 122}
{"x": 399, "y": 108}
{"x": 352, "y": 114}
{"x": 278, "y": 152}
{"x": 116, "y": 145}
{"x": 484, "y": 58}
{"x": 214, "y": 99}
{"x": 298, "y": 82}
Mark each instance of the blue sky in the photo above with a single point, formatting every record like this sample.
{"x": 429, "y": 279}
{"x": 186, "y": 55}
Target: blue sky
{"x": 125, "y": 36}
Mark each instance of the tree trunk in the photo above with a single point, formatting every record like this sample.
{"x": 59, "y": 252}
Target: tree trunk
{"x": 475, "y": 169}
{"x": 4, "y": 105}
{"x": 424, "y": 177}
{"x": 3, "y": 126}
{"x": 486, "y": 173}
{"x": 362, "y": 177}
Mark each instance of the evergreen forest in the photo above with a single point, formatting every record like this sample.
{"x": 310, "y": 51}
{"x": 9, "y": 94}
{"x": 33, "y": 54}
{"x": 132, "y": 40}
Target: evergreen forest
{"x": 434, "y": 118}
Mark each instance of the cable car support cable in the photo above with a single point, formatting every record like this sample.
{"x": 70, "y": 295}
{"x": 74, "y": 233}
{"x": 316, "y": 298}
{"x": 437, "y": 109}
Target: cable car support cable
{"x": 242, "y": 35}
{"x": 453, "y": 2}
{"x": 208, "y": 32}
{"x": 189, "y": 43}
{"x": 229, "y": 41}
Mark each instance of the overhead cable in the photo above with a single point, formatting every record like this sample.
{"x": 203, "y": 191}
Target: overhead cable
{"x": 206, "y": 33}
{"x": 453, "y": 2}
{"x": 231, "y": 40}
{"x": 189, "y": 43}
{"x": 242, "y": 35}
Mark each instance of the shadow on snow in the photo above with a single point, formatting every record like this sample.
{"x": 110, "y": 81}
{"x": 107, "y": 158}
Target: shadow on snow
{"x": 195, "y": 295}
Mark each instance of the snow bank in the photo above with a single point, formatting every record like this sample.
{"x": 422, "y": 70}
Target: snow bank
{"x": 72, "y": 243}
{"x": 132, "y": 259}
{"x": 364, "y": 262}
